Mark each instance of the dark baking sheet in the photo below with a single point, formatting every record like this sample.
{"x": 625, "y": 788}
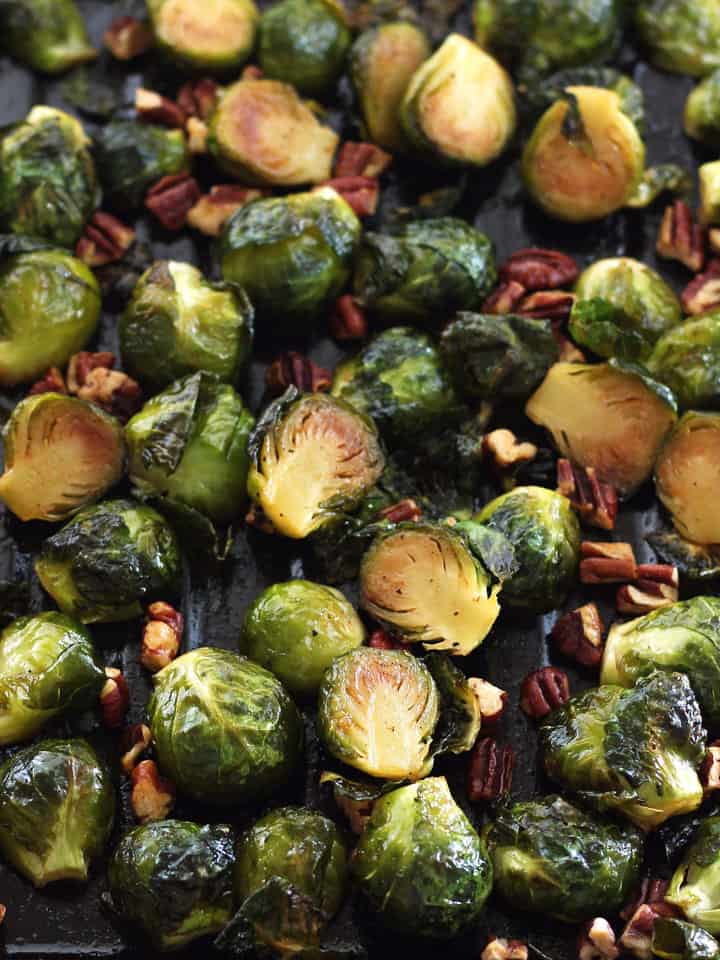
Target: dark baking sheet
{"x": 69, "y": 921}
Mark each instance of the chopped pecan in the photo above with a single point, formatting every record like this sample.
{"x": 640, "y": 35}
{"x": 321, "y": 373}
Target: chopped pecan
{"x": 348, "y": 321}
{"x": 506, "y": 451}
{"x": 596, "y": 502}
{"x": 198, "y": 98}
{"x": 297, "y": 370}
{"x": 607, "y": 562}
{"x": 538, "y": 269}
{"x": 596, "y": 941}
{"x": 491, "y": 699}
{"x": 381, "y": 640}
{"x": 171, "y": 199}
{"x": 361, "y": 160}
{"x": 361, "y": 193}
{"x": 703, "y": 293}
{"x": 402, "y": 511}
{"x": 114, "y": 698}
{"x": 544, "y": 691}
{"x": 3, "y": 911}
{"x": 498, "y": 948}
{"x": 547, "y": 305}
{"x": 651, "y": 890}
{"x": 490, "y": 771}
{"x": 134, "y": 742}
{"x": 505, "y": 298}
{"x": 127, "y": 38}
{"x": 710, "y": 768}
{"x": 680, "y": 238}
{"x": 197, "y": 136}
{"x": 637, "y": 936}
{"x": 81, "y": 364}
{"x": 214, "y": 209}
{"x": 161, "y": 637}
{"x": 105, "y": 240}
{"x": 114, "y": 391}
{"x": 52, "y": 382}
{"x": 578, "y": 634}
{"x": 656, "y": 585}
{"x": 152, "y": 797}
{"x": 714, "y": 239}
{"x": 155, "y": 108}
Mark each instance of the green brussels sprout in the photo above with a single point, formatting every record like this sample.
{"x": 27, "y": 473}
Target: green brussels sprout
{"x": 173, "y": 881}
{"x": 623, "y": 308}
{"x": 47, "y": 35}
{"x": 217, "y": 35}
{"x": 312, "y": 457}
{"x": 225, "y": 729}
{"x": 635, "y": 752}
{"x": 459, "y": 107}
{"x": 702, "y": 110}
{"x": 304, "y": 42}
{"x": 682, "y": 36}
{"x": 695, "y": 886}
{"x": 553, "y": 858}
{"x": 291, "y": 254}
{"x": 108, "y": 559}
{"x": 498, "y": 356}
{"x": 296, "y": 629}
{"x": 674, "y": 939}
{"x": 606, "y": 417}
{"x": 48, "y": 185}
{"x": 545, "y": 534}
{"x": 425, "y": 272}
{"x": 48, "y": 666}
{"x": 684, "y": 637}
{"x": 57, "y": 807}
{"x": 709, "y": 183}
{"x": 133, "y": 156}
{"x": 262, "y": 133}
{"x": 383, "y": 60}
{"x": 421, "y": 864}
{"x": 585, "y": 158}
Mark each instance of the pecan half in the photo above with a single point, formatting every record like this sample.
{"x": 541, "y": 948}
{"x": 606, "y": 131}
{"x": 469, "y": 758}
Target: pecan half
{"x": 538, "y": 269}
{"x": 114, "y": 391}
{"x": 214, "y": 209}
{"x": 680, "y": 238}
{"x": 498, "y": 948}
{"x": 579, "y": 635}
{"x": 198, "y": 98}
{"x": 155, "y": 108}
{"x": 348, "y": 321}
{"x": 360, "y": 193}
{"x": 595, "y": 502}
{"x": 381, "y": 640}
{"x": 637, "y": 936}
{"x": 105, "y": 240}
{"x": 656, "y": 585}
{"x": 544, "y": 691}
{"x": 161, "y": 637}
{"x": 703, "y": 293}
{"x": 171, "y": 198}
{"x": 401, "y": 512}
{"x": 134, "y": 742}
{"x": 596, "y": 941}
{"x": 152, "y": 796}
{"x": 491, "y": 699}
{"x": 505, "y": 298}
{"x": 52, "y": 382}
{"x": 506, "y": 452}
{"x": 197, "y": 135}
{"x": 361, "y": 160}
{"x": 127, "y": 38}
{"x": 607, "y": 562}
{"x": 547, "y": 305}
{"x": 490, "y": 771}
{"x": 114, "y": 698}
{"x": 710, "y": 769}
{"x": 297, "y": 370}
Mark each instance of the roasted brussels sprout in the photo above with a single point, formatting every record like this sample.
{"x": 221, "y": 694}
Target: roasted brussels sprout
{"x": 635, "y": 752}
{"x": 553, "y": 858}
{"x": 674, "y": 939}
{"x": 709, "y": 184}
{"x": 421, "y": 864}
{"x": 47, "y": 35}
{"x": 687, "y": 359}
{"x": 263, "y": 133}
{"x": 695, "y": 886}
{"x": 173, "y": 880}
{"x": 425, "y": 272}
{"x": 383, "y": 60}
{"x": 216, "y": 35}
{"x": 459, "y": 107}
{"x": 108, "y": 559}
{"x": 312, "y": 458}
{"x": 296, "y": 630}
{"x": 623, "y": 308}
{"x": 702, "y": 110}
{"x": 682, "y": 36}
{"x": 48, "y": 185}
{"x": 606, "y": 417}
{"x": 225, "y": 729}
{"x": 291, "y": 254}
{"x": 585, "y": 157}
{"x": 48, "y": 666}
{"x": 133, "y": 156}
{"x": 57, "y": 807}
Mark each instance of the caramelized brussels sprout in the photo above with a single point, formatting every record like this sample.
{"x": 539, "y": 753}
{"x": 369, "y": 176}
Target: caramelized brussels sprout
{"x": 674, "y": 939}
{"x": 552, "y": 858}
{"x": 132, "y": 156}
{"x": 682, "y": 36}
{"x": 215, "y": 35}
{"x": 173, "y": 881}
{"x": 225, "y": 729}
{"x": 702, "y": 111}
{"x": 709, "y": 182}
{"x": 695, "y": 886}
{"x": 459, "y": 107}
{"x": 420, "y": 863}
{"x": 687, "y": 359}
{"x": 585, "y": 157}
{"x": 383, "y": 60}
{"x": 606, "y": 417}
{"x": 47, "y": 35}
{"x": 57, "y": 807}
{"x": 107, "y": 559}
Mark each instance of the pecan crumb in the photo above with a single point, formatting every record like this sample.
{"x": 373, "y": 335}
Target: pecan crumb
{"x": 504, "y": 298}
{"x": 105, "y": 240}
{"x": 134, "y": 742}
{"x": 710, "y": 769}
{"x": 161, "y": 637}
{"x": 297, "y": 370}
{"x": 490, "y": 771}
{"x": 214, "y": 209}
{"x": 114, "y": 698}
{"x": 651, "y": 890}
{"x": 506, "y": 451}
{"x": 152, "y": 797}
{"x": 538, "y": 269}
{"x": 197, "y": 136}
{"x": 680, "y": 238}
{"x": 127, "y": 38}
{"x": 703, "y": 293}
{"x": 52, "y": 382}
{"x": 155, "y": 108}
{"x": 498, "y": 948}
{"x": 594, "y": 501}
{"x": 579, "y": 635}
{"x": 172, "y": 198}
{"x": 543, "y": 691}
{"x": 198, "y": 98}
{"x": 547, "y": 305}
{"x": 491, "y": 699}
{"x": 360, "y": 193}
{"x": 361, "y": 160}
{"x": 403, "y": 511}
{"x": 597, "y": 941}
{"x": 348, "y": 321}
{"x": 607, "y": 562}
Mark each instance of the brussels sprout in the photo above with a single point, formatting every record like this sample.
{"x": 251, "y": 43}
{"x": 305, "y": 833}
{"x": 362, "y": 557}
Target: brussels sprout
{"x": 296, "y": 630}
{"x": 709, "y": 180}
{"x": 48, "y": 186}
{"x": 291, "y": 254}
{"x": 383, "y": 60}
{"x": 107, "y": 559}
{"x": 421, "y": 864}
{"x": 702, "y": 111}
{"x": 682, "y": 36}
{"x": 493, "y": 357}
{"x": 585, "y": 157}
{"x": 47, "y": 35}
{"x": 173, "y": 880}
{"x": 47, "y": 666}
{"x": 312, "y": 458}
{"x": 695, "y": 886}
{"x": 425, "y": 272}
{"x": 133, "y": 156}
{"x": 635, "y": 751}
{"x": 605, "y": 417}
{"x": 213, "y": 35}
{"x": 459, "y": 107}
{"x": 225, "y": 729}
{"x": 552, "y": 858}
{"x": 263, "y": 133}
{"x": 57, "y": 807}
{"x": 674, "y": 939}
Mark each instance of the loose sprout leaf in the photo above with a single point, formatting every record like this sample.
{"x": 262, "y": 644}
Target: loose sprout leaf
{"x": 665, "y": 177}
{"x": 492, "y": 548}
{"x": 695, "y": 886}
{"x": 460, "y": 714}
{"x": 674, "y": 939}
{"x": 695, "y": 563}
{"x": 132, "y": 156}
{"x": 537, "y": 97}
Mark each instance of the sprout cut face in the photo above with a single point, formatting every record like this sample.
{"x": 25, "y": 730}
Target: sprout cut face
{"x": 695, "y": 886}
{"x": 687, "y": 359}
{"x": 214, "y": 35}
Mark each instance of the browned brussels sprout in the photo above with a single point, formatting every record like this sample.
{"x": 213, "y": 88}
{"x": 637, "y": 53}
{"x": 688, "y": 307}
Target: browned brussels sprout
{"x": 215, "y": 35}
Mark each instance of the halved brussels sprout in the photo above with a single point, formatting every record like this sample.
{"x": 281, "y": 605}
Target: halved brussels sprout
{"x": 674, "y": 939}
{"x": 682, "y": 36}
{"x": 47, "y": 35}
{"x": 421, "y": 864}
{"x": 225, "y": 729}
{"x": 585, "y": 157}
{"x": 709, "y": 185}
{"x": 702, "y": 111}
{"x": 49, "y": 305}
{"x": 107, "y": 560}
{"x": 425, "y": 272}
{"x": 312, "y": 458}
{"x": 377, "y": 712}
{"x": 61, "y": 454}
{"x": 57, "y": 807}
{"x": 695, "y": 886}
{"x": 48, "y": 185}
{"x": 133, "y": 156}
{"x": 553, "y": 858}
{"x": 291, "y": 254}
{"x": 459, "y": 106}
{"x": 635, "y": 752}
{"x": 212, "y": 35}
{"x": 173, "y": 881}
{"x": 383, "y": 60}
{"x": 48, "y": 665}
{"x": 687, "y": 359}
{"x": 606, "y": 417}
{"x": 263, "y": 133}
{"x": 296, "y": 629}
